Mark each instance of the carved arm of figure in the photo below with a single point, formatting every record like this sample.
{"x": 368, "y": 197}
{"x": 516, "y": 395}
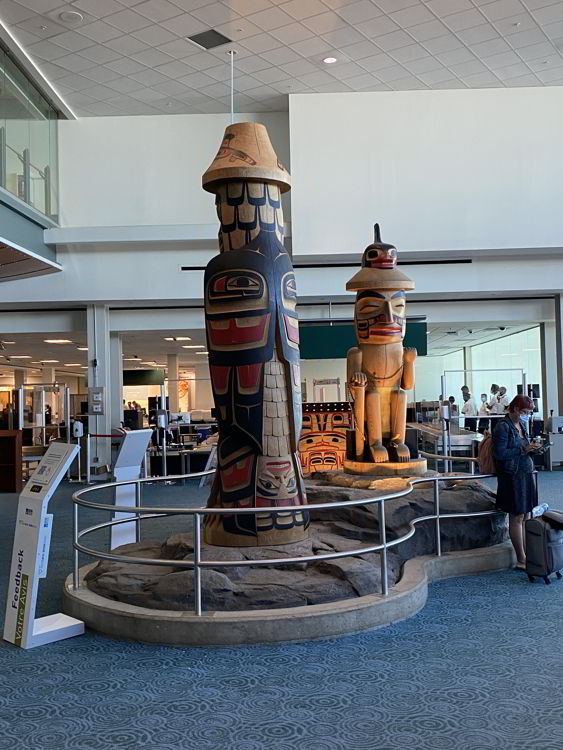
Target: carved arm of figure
{"x": 409, "y": 357}
{"x": 357, "y": 382}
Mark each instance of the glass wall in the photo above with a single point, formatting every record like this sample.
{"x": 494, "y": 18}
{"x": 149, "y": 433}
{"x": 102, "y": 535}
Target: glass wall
{"x": 28, "y": 141}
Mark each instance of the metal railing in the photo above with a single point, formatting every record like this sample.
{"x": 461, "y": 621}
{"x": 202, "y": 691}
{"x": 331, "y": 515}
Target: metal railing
{"x": 471, "y": 460}
{"x": 139, "y": 513}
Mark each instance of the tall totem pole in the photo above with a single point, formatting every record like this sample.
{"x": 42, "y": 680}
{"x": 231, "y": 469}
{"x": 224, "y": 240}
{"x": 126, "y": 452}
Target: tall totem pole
{"x": 253, "y": 342}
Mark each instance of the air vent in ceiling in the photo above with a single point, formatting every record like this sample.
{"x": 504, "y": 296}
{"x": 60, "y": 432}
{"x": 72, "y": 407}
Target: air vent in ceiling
{"x": 209, "y": 39}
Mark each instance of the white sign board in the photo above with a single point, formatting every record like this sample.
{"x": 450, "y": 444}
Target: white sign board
{"x": 32, "y": 539}
{"x": 128, "y": 466}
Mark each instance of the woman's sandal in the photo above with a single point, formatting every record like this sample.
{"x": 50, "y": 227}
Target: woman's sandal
{"x": 520, "y": 566}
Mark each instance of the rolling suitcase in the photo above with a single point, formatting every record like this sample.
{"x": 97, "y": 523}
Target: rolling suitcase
{"x": 544, "y": 546}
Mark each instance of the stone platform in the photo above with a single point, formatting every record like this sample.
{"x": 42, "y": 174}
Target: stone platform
{"x": 414, "y": 468}
{"x": 325, "y": 586}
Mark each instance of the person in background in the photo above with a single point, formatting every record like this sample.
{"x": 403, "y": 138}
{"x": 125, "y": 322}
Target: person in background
{"x": 129, "y": 406}
{"x": 453, "y": 406}
{"x": 503, "y": 399}
{"x": 516, "y": 490}
{"x": 469, "y": 410}
{"x": 483, "y": 412}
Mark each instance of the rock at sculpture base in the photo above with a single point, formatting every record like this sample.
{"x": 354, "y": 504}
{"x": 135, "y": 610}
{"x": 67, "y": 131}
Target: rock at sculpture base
{"x": 413, "y": 468}
{"x": 299, "y": 583}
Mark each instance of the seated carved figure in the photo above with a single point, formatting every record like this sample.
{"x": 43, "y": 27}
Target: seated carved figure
{"x": 380, "y": 369}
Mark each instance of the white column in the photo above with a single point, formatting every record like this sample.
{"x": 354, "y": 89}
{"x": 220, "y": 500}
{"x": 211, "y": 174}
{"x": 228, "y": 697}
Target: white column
{"x": 99, "y": 375}
{"x": 116, "y": 379}
{"x": 550, "y": 365}
{"x": 173, "y": 385}
{"x": 20, "y": 378}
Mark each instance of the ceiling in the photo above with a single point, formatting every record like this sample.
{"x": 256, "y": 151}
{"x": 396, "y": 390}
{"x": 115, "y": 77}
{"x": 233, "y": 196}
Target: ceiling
{"x": 149, "y": 348}
{"x": 130, "y": 57}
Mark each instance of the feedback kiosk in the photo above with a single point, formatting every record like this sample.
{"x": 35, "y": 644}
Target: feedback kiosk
{"x": 128, "y": 466}
{"x": 31, "y": 554}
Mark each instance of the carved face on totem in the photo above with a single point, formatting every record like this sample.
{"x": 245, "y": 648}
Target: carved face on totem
{"x": 277, "y": 486}
{"x": 380, "y": 256}
{"x": 322, "y": 446}
{"x": 380, "y": 317}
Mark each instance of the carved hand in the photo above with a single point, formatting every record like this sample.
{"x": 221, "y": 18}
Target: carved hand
{"x": 409, "y": 354}
{"x": 359, "y": 379}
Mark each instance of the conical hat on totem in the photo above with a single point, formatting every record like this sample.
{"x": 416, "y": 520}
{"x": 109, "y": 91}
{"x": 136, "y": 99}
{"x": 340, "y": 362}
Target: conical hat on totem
{"x": 386, "y": 279}
{"x": 246, "y": 153}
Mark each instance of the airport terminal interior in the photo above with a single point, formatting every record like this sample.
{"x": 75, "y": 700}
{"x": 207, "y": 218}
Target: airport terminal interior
{"x": 281, "y": 343}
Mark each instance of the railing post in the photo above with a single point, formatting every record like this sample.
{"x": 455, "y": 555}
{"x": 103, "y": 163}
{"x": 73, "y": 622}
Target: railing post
{"x": 137, "y": 516}
{"x": 47, "y": 188}
{"x": 75, "y": 572}
{"x": 88, "y": 458}
{"x": 437, "y": 514}
{"x": 383, "y": 553}
{"x": 26, "y": 176}
{"x": 3, "y": 157}
{"x": 197, "y": 560}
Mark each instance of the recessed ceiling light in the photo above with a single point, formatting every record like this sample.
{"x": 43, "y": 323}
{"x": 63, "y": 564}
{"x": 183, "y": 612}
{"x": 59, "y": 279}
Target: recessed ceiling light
{"x": 84, "y": 367}
{"x": 8, "y": 342}
{"x": 130, "y": 359}
{"x": 329, "y": 60}
{"x": 82, "y": 348}
{"x": 73, "y": 364}
{"x": 49, "y": 361}
{"x": 71, "y": 16}
{"x": 202, "y": 352}
{"x": 193, "y": 346}
{"x": 20, "y": 356}
{"x": 57, "y": 341}
{"x": 177, "y": 338}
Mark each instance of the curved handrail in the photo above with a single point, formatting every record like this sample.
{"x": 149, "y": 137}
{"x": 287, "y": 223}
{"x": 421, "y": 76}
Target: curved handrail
{"x": 196, "y": 564}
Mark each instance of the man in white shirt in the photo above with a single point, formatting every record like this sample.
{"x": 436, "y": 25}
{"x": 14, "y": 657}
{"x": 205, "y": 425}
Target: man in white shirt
{"x": 469, "y": 410}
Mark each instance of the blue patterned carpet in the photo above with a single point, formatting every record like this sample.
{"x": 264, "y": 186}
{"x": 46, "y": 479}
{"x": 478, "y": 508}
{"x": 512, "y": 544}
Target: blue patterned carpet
{"x": 480, "y": 667}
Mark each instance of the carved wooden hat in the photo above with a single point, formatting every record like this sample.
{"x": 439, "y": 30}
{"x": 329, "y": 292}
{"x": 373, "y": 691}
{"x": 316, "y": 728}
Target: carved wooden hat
{"x": 246, "y": 153}
{"x": 379, "y": 268}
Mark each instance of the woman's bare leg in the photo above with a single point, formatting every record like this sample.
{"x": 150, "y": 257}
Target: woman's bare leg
{"x": 516, "y": 531}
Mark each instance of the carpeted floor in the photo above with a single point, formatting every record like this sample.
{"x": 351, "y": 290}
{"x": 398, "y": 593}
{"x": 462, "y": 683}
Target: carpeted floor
{"x": 480, "y": 667}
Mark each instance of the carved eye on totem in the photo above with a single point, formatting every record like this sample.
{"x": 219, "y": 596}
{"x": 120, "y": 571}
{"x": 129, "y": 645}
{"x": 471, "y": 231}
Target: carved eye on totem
{"x": 289, "y": 290}
{"x": 381, "y": 257}
{"x": 233, "y": 284}
{"x": 291, "y": 484}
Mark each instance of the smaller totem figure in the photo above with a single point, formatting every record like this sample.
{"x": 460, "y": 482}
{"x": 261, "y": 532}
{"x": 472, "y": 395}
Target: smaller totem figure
{"x": 323, "y": 436}
{"x": 380, "y": 369}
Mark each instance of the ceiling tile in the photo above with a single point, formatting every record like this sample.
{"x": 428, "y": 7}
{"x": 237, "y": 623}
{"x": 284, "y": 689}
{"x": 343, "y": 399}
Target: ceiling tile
{"x": 103, "y": 109}
{"x": 100, "y": 74}
{"x": 526, "y": 80}
{"x": 525, "y": 38}
{"x": 170, "y": 88}
{"x": 98, "y": 8}
{"x": 146, "y": 94}
{"x": 500, "y": 9}
{"x": 252, "y": 64}
{"x": 127, "y": 45}
{"x": 99, "y": 92}
{"x": 269, "y": 19}
{"x": 24, "y": 37}
{"x": 127, "y": 21}
{"x": 318, "y": 78}
{"x": 550, "y": 14}
{"x": 300, "y": 67}
{"x": 216, "y": 90}
{"x": 179, "y": 48}
{"x": 324, "y": 22}
{"x": 481, "y": 79}
{"x": 280, "y": 56}
{"x": 261, "y": 43}
{"x": 292, "y": 86}
{"x": 53, "y": 71}
{"x": 45, "y": 50}
{"x": 409, "y": 83}
{"x": 543, "y": 62}
{"x": 423, "y": 65}
{"x": 464, "y": 20}
{"x": 436, "y": 76}
{"x": 243, "y": 83}
{"x": 175, "y": 69}
{"x": 201, "y": 61}
{"x": 358, "y": 12}
{"x": 517, "y": 23}
{"x": 151, "y": 57}
{"x": 100, "y": 54}
{"x": 502, "y": 60}
{"x": 99, "y": 31}
{"x": 430, "y": 30}
{"x": 238, "y": 30}
{"x": 377, "y": 62}
{"x": 389, "y": 42}
{"x": 333, "y": 88}
{"x": 344, "y": 37}
{"x": 477, "y": 34}
{"x": 261, "y": 92}
{"x": 72, "y": 41}
{"x": 378, "y": 27}
{"x": 410, "y": 52}
{"x": 359, "y": 50}
{"x": 40, "y": 6}
{"x": 300, "y": 9}
{"x": 553, "y": 30}
{"x": 445, "y": 8}
{"x": 37, "y": 25}
{"x": 74, "y": 63}
{"x": 154, "y": 35}
{"x": 184, "y": 25}
{"x": 148, "y": 77}
{"x": 363, "y": 82}
{"x": 412, "y": 16}
{"x": 13, "y": 13}
{"x": 468, "y": 68}
{"x": 124, "y": 85}
{"x": 535, "y": 51}
{"x": 293, "y": 33}
{"x": 454, "y": 56}
{"x": 74, "y": 82}
{"x": 491, "y": 47}
{"x": 216, "y": 13}
{"x": 388, "y": 6}
{"x": 513, "y": 71}
{"x": 158, "y": 10}
{"x": 125, "y": 66}
{"x": 443, "y": 44}
{"x": 311, "y": 47}
{"x": 197, "y": 80}
{"x": 273, "y": 75}
{"x": 554, "y": 73}
{"x": 392, "y": 73}
{"x": 246, "y": 7}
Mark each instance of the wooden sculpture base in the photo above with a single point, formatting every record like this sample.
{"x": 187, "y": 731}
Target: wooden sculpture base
{"x": 414, "y": 468}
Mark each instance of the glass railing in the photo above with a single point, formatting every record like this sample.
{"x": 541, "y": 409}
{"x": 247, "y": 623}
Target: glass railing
{"x": 28, "y": 141}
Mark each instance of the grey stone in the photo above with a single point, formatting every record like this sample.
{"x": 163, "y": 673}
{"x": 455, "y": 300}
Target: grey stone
{"x": 296, "y": 584}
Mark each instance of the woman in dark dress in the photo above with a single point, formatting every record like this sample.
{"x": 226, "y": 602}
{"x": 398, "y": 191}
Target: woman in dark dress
{"x": 516, "y": 491}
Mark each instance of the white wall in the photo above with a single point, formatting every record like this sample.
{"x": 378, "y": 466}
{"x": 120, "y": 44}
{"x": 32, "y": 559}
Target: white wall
{"x": 146, "y": 170}
{"x": 438, "y": 169}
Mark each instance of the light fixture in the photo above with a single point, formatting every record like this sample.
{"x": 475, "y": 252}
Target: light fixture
{"x": 71, "y": 17}
{"x": 73, "y": 364}
{"x": 82, "y": 348}
{"x": 193, "y": 346}
{"x": 329, "y": 60}
{"x": 49, "y": 361}
{"x": 83, "y": 367}
{"x": 8, "y": 342}
{"x": 202, "y": 352}
{"x": 57, "y": 341}
{"x": 177, "y": 338}
{"x": 37, "y": 362}
{"x": 20, "y": 356}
